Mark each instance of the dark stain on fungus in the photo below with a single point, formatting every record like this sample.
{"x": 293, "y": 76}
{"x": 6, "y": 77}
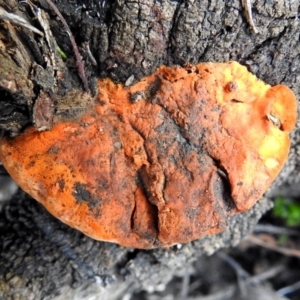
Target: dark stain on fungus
{"x": 215, "y": 108}
{"x": 103, "y": 184}
{"x": 31, "y": 164}
{"x": 53, "y": 150}
{"x": 61, "y": 184}
{"x": 81, "y": 193}
{"x": 192, "y": 212}
{"x": 235, "y": 101}
{"x": 102, "y": 102}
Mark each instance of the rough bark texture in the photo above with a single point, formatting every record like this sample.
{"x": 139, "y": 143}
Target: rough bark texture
{"x": 40, "y": 258}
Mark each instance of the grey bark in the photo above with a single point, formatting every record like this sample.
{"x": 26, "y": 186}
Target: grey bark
{"x": 41, "y": 258}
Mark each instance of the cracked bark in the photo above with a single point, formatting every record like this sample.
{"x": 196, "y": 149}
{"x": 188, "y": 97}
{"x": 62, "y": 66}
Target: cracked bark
{"x": 127, "y": 39}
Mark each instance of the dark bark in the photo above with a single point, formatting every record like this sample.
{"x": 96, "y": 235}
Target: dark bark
{"x": 41, "y": 258}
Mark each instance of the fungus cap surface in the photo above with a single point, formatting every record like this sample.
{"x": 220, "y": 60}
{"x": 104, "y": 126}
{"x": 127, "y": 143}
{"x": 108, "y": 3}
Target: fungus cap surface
{"x": 165, "y": 161}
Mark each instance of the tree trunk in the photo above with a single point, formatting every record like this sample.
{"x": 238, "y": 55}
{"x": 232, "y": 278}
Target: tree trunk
{"x": 41, "y": 258}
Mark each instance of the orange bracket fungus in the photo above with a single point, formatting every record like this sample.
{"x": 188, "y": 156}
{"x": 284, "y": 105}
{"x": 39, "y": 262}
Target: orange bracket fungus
{"x": 164, "y": 161}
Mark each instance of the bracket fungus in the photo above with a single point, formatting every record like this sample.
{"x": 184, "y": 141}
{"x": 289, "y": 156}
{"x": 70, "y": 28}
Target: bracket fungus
{"x": 167, "y": 160}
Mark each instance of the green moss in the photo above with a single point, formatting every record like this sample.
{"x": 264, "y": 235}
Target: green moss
{"x": 288, "y": 210}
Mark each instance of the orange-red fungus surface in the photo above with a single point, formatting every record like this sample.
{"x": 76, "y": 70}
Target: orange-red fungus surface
{"x": 165, "y": 161}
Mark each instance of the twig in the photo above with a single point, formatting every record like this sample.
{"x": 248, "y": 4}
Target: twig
{"x": 234, "y": 264}
{"x": 286, "y": 251}
{"x": 79, "y": 61}
{"x": 86, "y": 45}
{"x": 289, "y": 289}
{"x": 270, "y": 273}
{"x": 240, "y": 272}
{"x": 248, "y": 9}
{"x": 185, "y": 285}
{"x": 268, "y": 228}
{"x": 228, "y": 292}
{"x": 17, "y": 20}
